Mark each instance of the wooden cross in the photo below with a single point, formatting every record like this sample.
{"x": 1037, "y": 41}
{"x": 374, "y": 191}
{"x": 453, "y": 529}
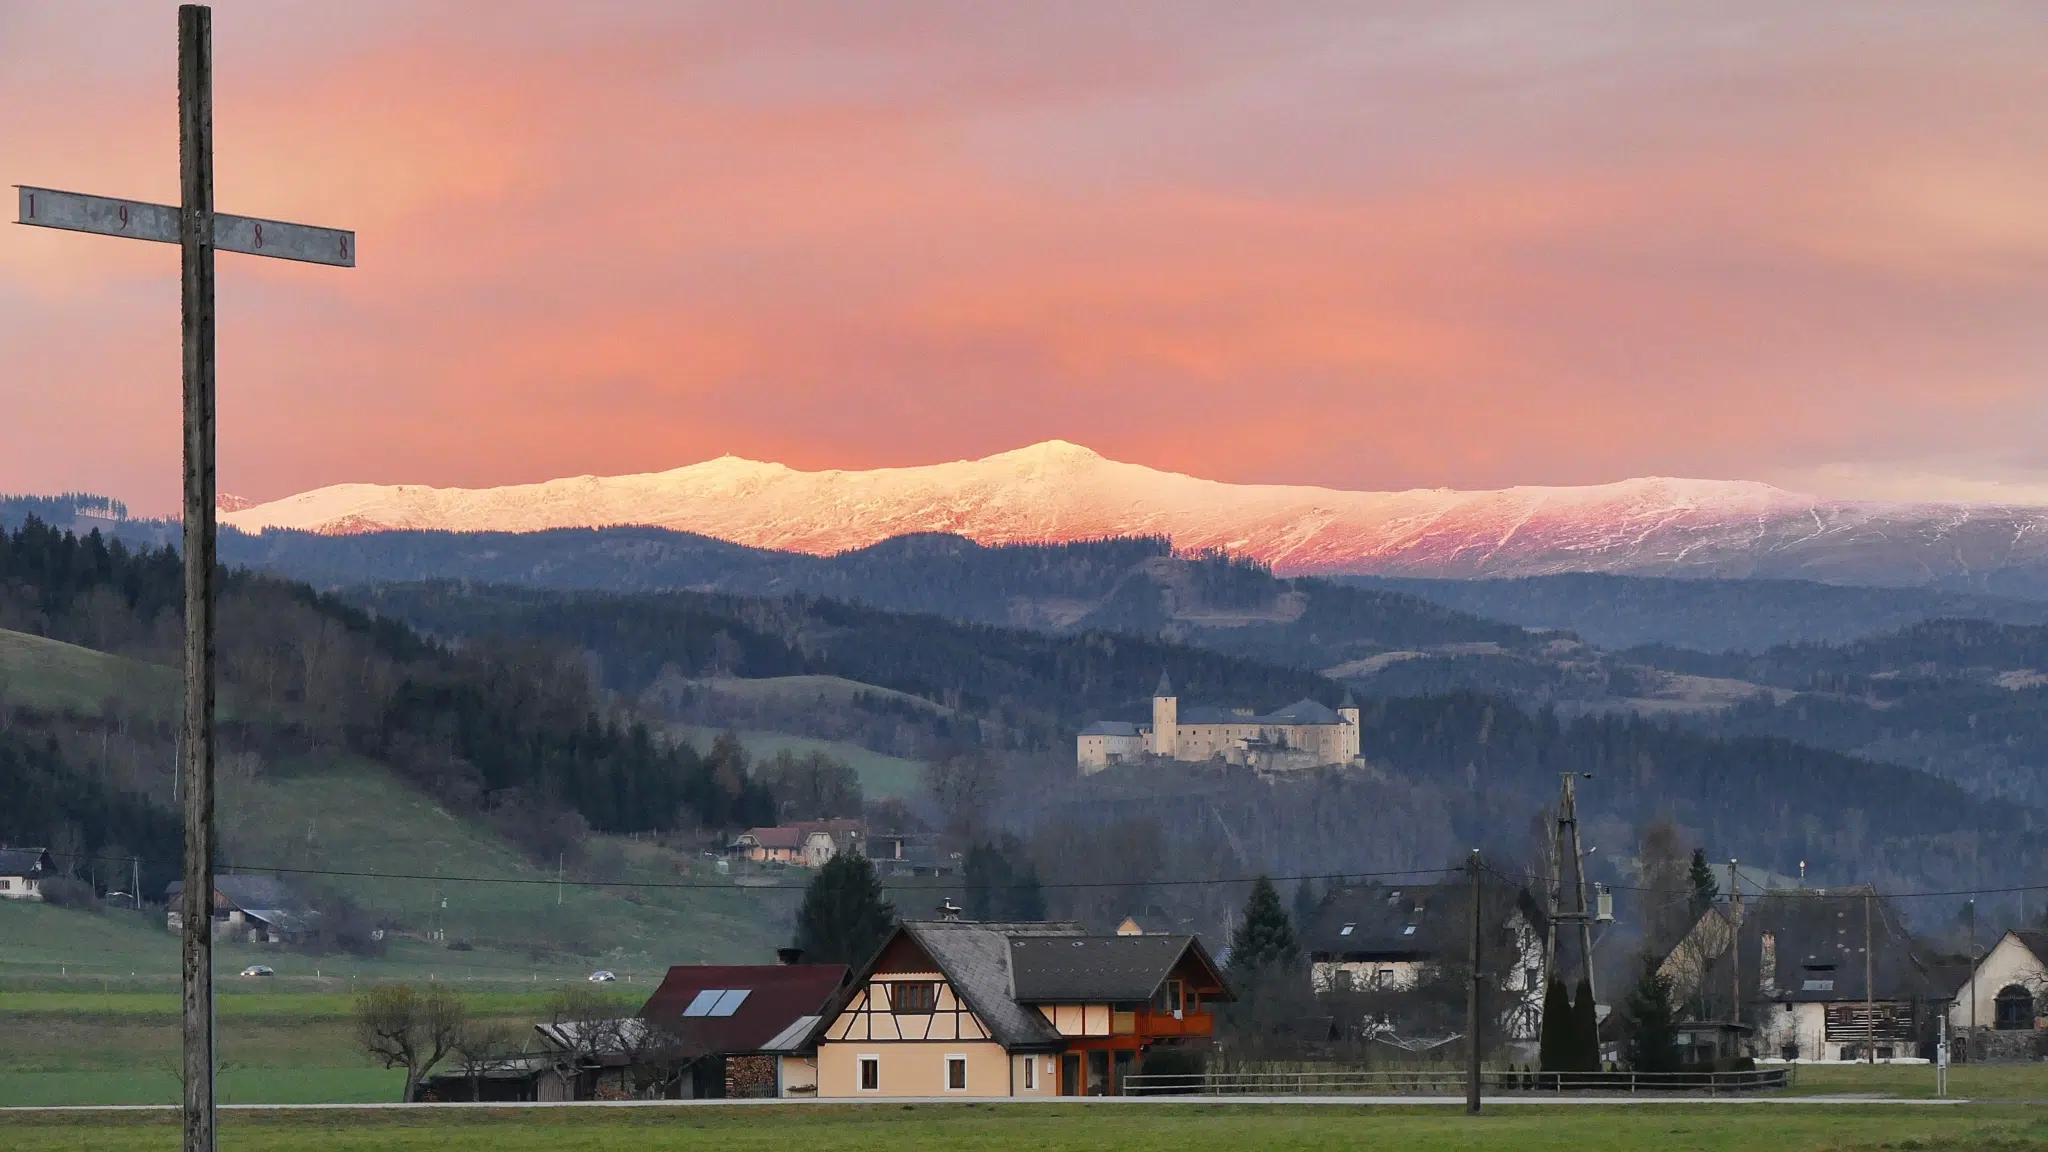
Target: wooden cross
{"x": 198, "y": 230}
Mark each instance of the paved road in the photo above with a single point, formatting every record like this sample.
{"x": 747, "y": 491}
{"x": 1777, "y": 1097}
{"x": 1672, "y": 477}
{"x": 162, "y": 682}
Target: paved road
{"x": 1055, "y": 1101}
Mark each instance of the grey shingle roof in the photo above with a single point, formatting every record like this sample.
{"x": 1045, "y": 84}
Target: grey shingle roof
{"x": 1110, "y": 728}
{"x": 1165, "y": 686}
{"x": 1378, "y": 920}
{"x": 1302, "y": 711}
{"x": 1818, "y": 937}
{"x": 1057, "y": 969}
{"x": 1299, "y": 712}
{"x": 976, "y": 962}
{"x": 25, "y": 861}
{"x": 249, "y": 893}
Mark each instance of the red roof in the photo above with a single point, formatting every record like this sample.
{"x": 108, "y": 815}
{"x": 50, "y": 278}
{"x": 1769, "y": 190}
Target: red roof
{"x": 779, "y": 997}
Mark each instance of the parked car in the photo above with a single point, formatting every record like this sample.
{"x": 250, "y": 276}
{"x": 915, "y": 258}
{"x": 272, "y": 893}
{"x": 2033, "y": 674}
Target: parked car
{"x": 602, "y": 976}
{"x": 258, "y": 970}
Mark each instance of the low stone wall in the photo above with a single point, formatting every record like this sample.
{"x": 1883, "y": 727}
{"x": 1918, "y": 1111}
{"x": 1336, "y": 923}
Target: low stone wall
{"x": 1989, "y": 1045}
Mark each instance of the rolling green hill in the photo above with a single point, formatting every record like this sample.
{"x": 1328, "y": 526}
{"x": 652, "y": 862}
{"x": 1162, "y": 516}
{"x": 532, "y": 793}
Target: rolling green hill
{"x": 36, "y": 672}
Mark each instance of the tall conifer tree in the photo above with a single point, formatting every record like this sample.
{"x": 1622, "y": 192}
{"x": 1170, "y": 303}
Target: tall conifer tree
{"x": 844, "y": 917}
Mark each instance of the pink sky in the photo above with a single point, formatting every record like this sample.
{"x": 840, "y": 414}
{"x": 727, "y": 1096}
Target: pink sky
{"x": 1359, "y": 244}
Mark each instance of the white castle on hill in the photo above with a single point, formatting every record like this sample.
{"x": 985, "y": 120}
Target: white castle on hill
{"x": 1304, "y": 734}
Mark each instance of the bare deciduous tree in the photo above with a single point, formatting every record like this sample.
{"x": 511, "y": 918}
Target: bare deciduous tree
{"x": 403, "y": 1027}
{"x": 483, "y": 1047}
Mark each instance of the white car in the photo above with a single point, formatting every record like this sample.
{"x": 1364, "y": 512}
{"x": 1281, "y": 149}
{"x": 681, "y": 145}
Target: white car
{"x": 602, "y": 976}
{"x": 258, "y": 970}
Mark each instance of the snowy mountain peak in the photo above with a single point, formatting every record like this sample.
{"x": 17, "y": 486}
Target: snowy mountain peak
{"x": 1057, "y": 490}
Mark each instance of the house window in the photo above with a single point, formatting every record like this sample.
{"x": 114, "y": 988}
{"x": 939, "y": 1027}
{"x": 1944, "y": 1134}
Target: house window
{"x": 2013, "y": 1009}
{"x": 5, "y": 884}
{"x": 1168, "y": 998}
{"x": 1386, "y": 978}
{"x": 1031, "y": 1073}
{"x": 1342, "y": 980}
{"x": 871, "y": 1073}
{"x": 918, "y": 998}
{"x": 956, "y": 1073}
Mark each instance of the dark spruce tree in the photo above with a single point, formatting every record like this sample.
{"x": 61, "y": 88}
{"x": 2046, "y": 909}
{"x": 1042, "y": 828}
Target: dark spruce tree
{"x": 1705, "y": 890}
{"x": 1556, "y": 1045}
{"x": 988, "y": 878}
{"x": 844, "y": 917}
{"x": 1265, "y": 940}
{"x": 1585, "y": 1028}
{"x": 1652, "y": 1021}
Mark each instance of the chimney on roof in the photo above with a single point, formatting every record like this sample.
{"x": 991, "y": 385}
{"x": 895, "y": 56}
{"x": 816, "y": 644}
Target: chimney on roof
{"x": 947, "y": 911}
{"x": 789, "y": 956}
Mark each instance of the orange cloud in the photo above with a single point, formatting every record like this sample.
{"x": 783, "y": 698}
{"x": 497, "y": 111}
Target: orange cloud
{"x": 1500, "y": 243}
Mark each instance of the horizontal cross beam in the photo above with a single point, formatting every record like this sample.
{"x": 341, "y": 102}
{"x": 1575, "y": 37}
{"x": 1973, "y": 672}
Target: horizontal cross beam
{"x": 78, "y": 212}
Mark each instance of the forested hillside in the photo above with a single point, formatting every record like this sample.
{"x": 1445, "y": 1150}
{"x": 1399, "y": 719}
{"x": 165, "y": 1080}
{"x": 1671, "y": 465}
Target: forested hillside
{"x": 1030, "y": 689}
{"x": 1137, "y": 586}
{"x": 510, "y": 731}
{"x": 1706, "y": 615}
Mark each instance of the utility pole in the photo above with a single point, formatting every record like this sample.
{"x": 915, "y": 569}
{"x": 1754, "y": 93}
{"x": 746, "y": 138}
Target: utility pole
{"x": 199, "y": 231}
{"x": 196, "y": 309}
{"x": 1734, "y": 944}
{"x": 1566, "y": 851}
{"x": 135, "y": 881}
{"x": 559, "y": 858}
{"x": 1972, "y": 1038}
{"x": 1472, "y": 1036}
{"x": 1869, "y": 999}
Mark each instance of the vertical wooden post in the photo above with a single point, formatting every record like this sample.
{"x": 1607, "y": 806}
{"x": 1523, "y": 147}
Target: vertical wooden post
{"x": 195, "y": 171}
{"x": 1869, "y": 998}
{"x": 1735, "y": 945}
{"x": 1472, "y": 1030}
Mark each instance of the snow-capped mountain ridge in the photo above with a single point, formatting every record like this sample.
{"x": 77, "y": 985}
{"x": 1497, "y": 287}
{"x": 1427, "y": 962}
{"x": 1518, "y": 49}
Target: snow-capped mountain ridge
{"x": 1061, "y": 491}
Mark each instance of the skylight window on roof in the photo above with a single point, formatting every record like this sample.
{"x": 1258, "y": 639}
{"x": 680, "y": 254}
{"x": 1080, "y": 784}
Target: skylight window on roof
{"x": 716, "y": 1002}
{"x": 1408, "y": 931}
{"x": 1346, "y": 930}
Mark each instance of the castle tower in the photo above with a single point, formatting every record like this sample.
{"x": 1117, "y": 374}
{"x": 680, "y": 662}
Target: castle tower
{"x": 1348, "y": 712}
{"x": 1165, "y": 720}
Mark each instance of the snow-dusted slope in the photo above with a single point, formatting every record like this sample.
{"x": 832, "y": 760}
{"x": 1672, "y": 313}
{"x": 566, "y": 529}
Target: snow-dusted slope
{"x": 1060, "y": 491}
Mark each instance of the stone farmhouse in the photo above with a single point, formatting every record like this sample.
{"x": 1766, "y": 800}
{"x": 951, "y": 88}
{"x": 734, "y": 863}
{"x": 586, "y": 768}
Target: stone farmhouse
{"x": 1304, "y": 734}
{"x": 22, "y": 872}
{"x": 1807, "y": 989}
{"x": 1374, "y": 939}
{"x": 258, "y": 909}
{"x": 1997, "y": 1013}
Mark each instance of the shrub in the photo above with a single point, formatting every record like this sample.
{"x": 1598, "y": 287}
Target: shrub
{"x": 70, "y": 892}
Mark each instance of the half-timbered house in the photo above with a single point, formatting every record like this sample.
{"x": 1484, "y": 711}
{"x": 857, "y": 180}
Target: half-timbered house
{"x": 959, "y": 1008}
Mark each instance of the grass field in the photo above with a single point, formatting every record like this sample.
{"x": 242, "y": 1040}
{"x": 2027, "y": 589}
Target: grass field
{"x": 57, "y": 677}
{"x": 277, "y": 1045}
{"x": 1093, "y": 1128}
{"x": 349, "y": 815}
{"x": 881, "y": 777}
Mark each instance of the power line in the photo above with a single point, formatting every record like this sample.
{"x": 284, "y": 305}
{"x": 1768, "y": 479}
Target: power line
{"x": 729, "y": 886}
{"x": 1515, "y": 877}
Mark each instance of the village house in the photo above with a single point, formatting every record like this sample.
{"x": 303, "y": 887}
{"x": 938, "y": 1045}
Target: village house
{"x": 1997, "y": 1013}
{"x": 982, "y": 1010}
{"x": 707, "y": 1032}
{"x": 1305, "y": 734}
{"x": 1385, "y": 939}
{"x": 1802, "y": 987}
{"x": 752, "y": 1030}
{"x": 805, "y": 844}
{"x": 22, "y": 872}
{"x": 256, "y": 909}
